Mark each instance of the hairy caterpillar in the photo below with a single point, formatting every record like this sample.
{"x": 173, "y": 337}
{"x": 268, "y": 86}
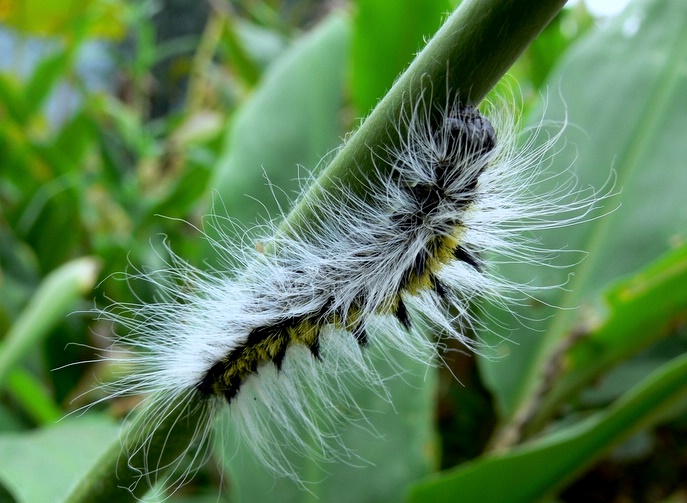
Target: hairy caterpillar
{"x": 274, "y": 338}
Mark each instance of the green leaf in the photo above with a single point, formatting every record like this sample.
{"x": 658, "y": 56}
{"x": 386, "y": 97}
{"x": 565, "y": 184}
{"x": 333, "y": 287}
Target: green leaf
{"x": 52, "y": 301}
{"x": 625, "y": 93}
{"x": 238, "y": 53}
{"x": 41, "y": 466}
{"x": 76, "y": 136}
{"x": 635, "y": 306}
{"x": 46, "y": 75}
{"x": 33, "y": 397}
{"x": 292, "y": 119}
{"x": 636, "y": 312}
{"x": 13, "y": 100}
{"x": 387, "y": 34}
{"x": 532, "y": 471}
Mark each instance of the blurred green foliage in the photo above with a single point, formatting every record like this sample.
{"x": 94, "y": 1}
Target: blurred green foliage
{"x": 122, "y": 122}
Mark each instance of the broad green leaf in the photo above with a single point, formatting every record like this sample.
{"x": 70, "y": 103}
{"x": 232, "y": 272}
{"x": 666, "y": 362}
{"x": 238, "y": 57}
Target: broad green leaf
{"x": 41, "y": 466}
{"x": 624, "y": 90}
{"x": 532, "y": 471}
{"x": 261, "y": 44}
{"x": 292, "y": 119}
{"x": 387, "y": 35}
{"x": 652, "y": 298}
{"x": 239, "y": 57}
{"x": 635, "y": 313}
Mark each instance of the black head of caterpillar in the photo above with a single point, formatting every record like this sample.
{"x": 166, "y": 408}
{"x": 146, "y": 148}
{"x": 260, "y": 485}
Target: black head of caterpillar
{"x": 471, "y": 129}
{"x": 435, "y": 177}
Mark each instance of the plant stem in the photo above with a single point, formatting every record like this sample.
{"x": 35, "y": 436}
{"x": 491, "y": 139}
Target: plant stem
{"x": 117, "y": 476}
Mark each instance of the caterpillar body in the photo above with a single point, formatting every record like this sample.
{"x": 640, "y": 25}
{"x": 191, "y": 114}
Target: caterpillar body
{"x": 421, "y": 231}
{"x": 277, "y": 339}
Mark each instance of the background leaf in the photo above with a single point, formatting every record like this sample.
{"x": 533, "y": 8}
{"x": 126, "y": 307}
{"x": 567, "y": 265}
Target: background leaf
{"x": 387, "y": 34}
{"x": 46, "y": 463}
{"x": 625, "y": 93}
{"x": 51, "y": 302}
{"x": 545, "y": 464}
{"x": 292, "y": 119}
{"x": 531, "y": 472}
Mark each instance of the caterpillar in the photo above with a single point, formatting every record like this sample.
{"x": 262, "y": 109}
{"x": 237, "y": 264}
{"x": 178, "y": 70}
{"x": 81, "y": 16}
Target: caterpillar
{"x": 277, "y": 338}
{"x": 312, "y": 284}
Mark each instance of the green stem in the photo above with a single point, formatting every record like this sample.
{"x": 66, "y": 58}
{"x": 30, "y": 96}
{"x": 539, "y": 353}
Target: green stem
{"x": 469, "y": 54}
{"x": 112, "y": 477}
